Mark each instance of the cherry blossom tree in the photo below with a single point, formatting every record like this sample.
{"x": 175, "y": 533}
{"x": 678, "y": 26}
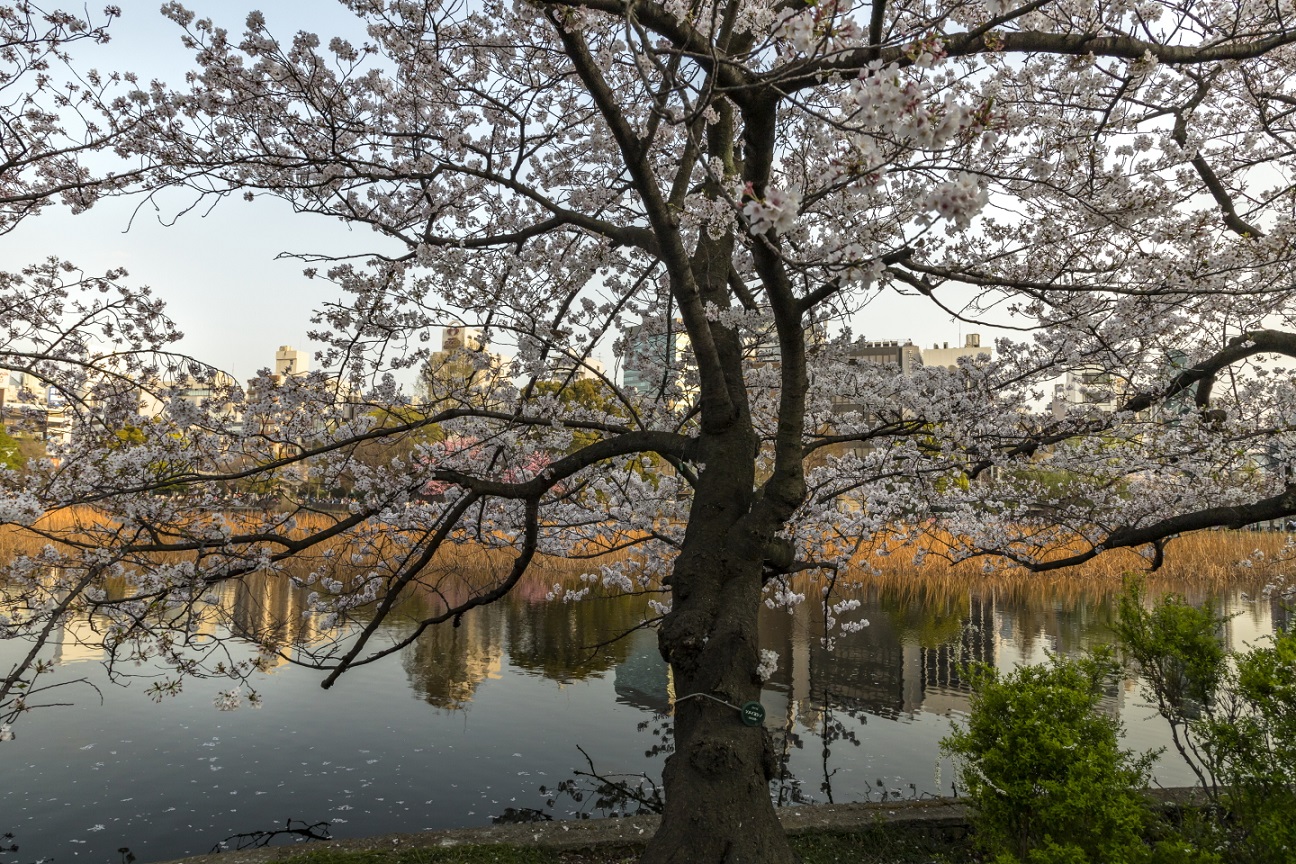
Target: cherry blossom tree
{"x": 84, "y": 339}
{"x": 1111, "y": 180}
{"x": 59, "y": 127}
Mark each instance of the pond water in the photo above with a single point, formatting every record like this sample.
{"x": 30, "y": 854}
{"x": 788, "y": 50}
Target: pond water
{"x": 471, "y": 722}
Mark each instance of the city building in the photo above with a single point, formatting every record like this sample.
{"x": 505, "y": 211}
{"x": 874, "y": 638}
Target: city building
{"x": 28, "y": 406}
{"x": 652, "y": 357}
{"x": 213, "y": 394}
{"x": 565, "y": 369}
{"x": 289, "y": 362}
{"x": 1088, "y": 387}
{"x": 906, "y": 356}
{"x": 462, "y": 339}
{"x": 1183, "y": 402}
{"x": 944, "y": 355}
{"x": 15, "y": 388}
{"x": 463, "y": 372}
{"x": 216, "y": 395}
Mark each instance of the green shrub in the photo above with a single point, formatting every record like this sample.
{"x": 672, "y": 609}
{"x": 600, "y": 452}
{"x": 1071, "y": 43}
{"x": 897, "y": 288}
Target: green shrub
{"x": 1232, "y": 718}
{"x": 1044, "y": 770}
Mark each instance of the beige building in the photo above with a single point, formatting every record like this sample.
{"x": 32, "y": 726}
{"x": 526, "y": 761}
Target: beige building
{"x": 27, "y": 406}
{"x": 289, "y": 362}
{"x": 944, "y": 355}
{"x": 463, "y": 372}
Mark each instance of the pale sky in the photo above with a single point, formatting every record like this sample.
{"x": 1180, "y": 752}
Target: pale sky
{"x": 217, "y": 272}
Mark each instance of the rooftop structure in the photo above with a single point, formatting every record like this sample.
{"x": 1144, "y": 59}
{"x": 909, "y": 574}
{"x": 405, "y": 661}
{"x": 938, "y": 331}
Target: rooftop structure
{"x": 944, "y": 355}
{"x": 463, "y": 372}
{"x": 906, "y": 356}
{"x": 290, "y": 362}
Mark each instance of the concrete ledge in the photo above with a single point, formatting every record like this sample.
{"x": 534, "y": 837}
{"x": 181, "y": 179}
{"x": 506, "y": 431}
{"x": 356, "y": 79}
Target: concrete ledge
{"x": 947, "y": 817}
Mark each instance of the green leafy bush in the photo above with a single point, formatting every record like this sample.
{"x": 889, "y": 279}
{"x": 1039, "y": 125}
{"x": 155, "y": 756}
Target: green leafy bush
{"x": 1044, "y": 770}
{"x": 1232, "y": 718}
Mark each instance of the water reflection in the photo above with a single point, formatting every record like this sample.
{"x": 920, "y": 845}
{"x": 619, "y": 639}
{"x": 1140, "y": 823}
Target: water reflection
{"x": 447, "y": 664}
{"x": 78, "y": 640}
{"x": 912, "y": 658}
{"x": 643, "y": 679}
{"x": 572, "y": 641}
{"x": 914, "y": 655}
{"x": 270, "y": 610}
{"x": 541, "y": 678}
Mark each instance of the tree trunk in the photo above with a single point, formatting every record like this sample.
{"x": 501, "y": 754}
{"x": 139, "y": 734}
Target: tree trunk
{"x": 718, "y": 806}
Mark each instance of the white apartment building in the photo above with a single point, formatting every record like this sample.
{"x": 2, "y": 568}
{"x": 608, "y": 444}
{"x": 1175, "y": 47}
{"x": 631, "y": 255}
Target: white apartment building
{"x": 1085, "y": 387}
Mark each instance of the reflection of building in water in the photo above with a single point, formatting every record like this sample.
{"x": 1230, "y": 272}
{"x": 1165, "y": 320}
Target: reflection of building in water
{"x": 864, "y": 671}
{"x": 268, "y": 609}
{"x": 562, "y": 642}
{"x": 886, "y": 669}
{"x": 78, "y": 640}
{"x": 642, "y": 679}
{"x": 1282, "y": 611}
{"x": 1253, "y": 621}
{"x": 447, "y": 664}
{"x": 944, "y": 669}
{"x": 1032, "y": 626}
{"x": 913, "y": 657}
{"x": 571, "y": 641}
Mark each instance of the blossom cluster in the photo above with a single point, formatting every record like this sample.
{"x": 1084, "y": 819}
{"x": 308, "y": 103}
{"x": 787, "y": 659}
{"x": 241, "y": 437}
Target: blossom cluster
{"x": 776, "y": 212}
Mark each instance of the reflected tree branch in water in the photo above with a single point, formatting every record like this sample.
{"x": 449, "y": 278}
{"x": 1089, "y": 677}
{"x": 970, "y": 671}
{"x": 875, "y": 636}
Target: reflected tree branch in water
{"x": 454, "y": 613}
{"x": 7, "y": 845}
{"x": 609, "y": 794}
{"x": 256, "y": 839}
{"x": 20, "y": 682}
{"x": 648, "y": 624}
{"x": 786, "y": 788}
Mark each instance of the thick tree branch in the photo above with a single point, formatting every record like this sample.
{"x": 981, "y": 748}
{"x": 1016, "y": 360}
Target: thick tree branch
{"x": 719, "y": 411}
{"x": 1201, "y": 375}
{"x": 1239, "y": 516}
{"x": 642, "y": 441}
{"x": 801, "y": 74}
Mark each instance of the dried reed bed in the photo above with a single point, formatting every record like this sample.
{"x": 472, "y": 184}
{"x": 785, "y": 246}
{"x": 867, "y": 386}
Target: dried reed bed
{"x": 1205, "y": 561}
{"x": 71, "y": 524}
{"x": 469, "y": 558}
{"x": 1199, "y": 564}
{"x": 66, "y": 528}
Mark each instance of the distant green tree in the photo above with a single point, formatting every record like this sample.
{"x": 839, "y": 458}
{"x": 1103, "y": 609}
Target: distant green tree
{"x": 11, "y": 455}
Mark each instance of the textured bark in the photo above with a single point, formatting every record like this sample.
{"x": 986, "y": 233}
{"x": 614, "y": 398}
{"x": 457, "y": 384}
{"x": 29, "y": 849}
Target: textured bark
{"x": 718, "y": 807}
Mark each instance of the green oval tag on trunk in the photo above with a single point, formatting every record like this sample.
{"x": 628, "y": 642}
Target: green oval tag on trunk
{"x": 753, "y": 713}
